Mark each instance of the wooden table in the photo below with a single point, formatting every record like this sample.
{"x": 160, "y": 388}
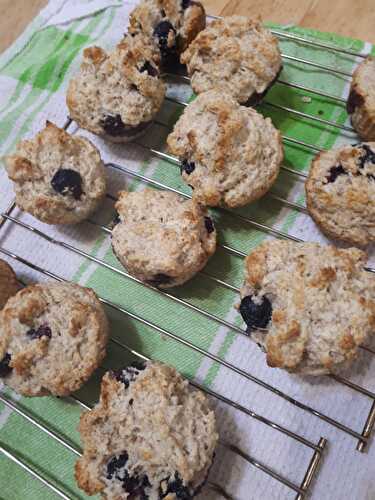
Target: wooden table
{"x": 354, "y": 18}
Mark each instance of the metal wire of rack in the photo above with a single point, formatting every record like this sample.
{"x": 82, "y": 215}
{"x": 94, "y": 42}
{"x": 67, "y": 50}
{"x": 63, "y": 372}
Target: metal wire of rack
{"x": 362, "y": 437}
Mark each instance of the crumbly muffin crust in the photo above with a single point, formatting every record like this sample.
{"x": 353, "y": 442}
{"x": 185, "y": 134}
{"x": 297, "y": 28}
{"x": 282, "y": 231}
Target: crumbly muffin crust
{"x": 340, "y": 193}
{"x": 117, "y": 95}
{"x": 9, "y": 285}
{"x": 162, "y": 238}
{"x": 58, "y": 178}
{"x": 230, "y": 154}
{"x": 52, "y": 338}
{"x": 361, "y": 101}
{"x": 150, "y": 436}
{"x": 316, "y": 302}
{"x": 236, "y": 55}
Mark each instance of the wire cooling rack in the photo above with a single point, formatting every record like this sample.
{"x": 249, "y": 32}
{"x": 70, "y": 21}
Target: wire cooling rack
{"x": 362, "y": 437}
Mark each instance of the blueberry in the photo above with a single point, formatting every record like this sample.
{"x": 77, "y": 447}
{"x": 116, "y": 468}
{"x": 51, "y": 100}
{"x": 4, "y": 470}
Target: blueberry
{"x": 115, "y": 127}
{"x": 150, "y": 68}
{"x": 354, "y": 101}
{"x": 5, "y": 369}
{"x": 209, "y": 225}
{"x": 334, "y": 172}
{"x": 186, "y": 4}
{"x": 160, "y": 279}
{"x": 175, "y": 486}
{"x": 367, "y": 157}
{"x": 116, "y": 463}
{"x": 135, "y": 485}
{"x": 42, "y": 331}
{"x": 67, "y": 182}
{"x": 256, "y": 315}
{"x": 116, "y": 220}
{"x": 130, "y": 373}
{"x": 162, "y": 32}
{"x": 187, "y": 166}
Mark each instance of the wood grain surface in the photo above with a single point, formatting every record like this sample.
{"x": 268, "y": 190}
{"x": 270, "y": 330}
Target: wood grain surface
{"x": 354, "y": 18}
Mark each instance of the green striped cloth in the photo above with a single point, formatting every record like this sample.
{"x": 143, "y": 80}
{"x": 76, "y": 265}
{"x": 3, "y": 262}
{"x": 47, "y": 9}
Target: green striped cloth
{"x": 33, "y": 77}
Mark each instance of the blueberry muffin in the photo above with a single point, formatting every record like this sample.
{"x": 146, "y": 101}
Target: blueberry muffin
{"x": 308, "y": 306}
{"x": 361, "y": 101}
{"x": 150, "y": 437}
{"x": 236, "y": 55}
{"x": 58, "y": 178}
{"x": 230, "y": 155}
{"x": 52, "y": 338}
{"x": 117, "y": 95}
{"x": 162, "y": 238}
{"x": 340, "y": 193}
{"x": 9, "y": 285}
{"x": 172, "y": 23}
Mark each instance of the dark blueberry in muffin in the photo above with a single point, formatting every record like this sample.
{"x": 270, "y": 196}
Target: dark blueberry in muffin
{"x": 186, "y": 4}
{"x": 135, "y": 485}
{"x": 42, "y": 331}
{"x": 160, "y": 279}
{"x": 165, "y": 32}
{"x": 175, "y": 486}
{"x": 116, "y": 463}
{"x": 151, "y": 70}
{"x": 115, "y": 127}
{"x": 116, "y": 220}
{"x": 334, "y": 172}
{"x": 354, "y": 101}
{"x": 68, "y": 182}
{"x": 367, "y": 157}
{"x": 5, "y": 369}
{"x": 187, "y": 166}
{"x": 130, "y": 373}
{"x": 256, "y": 315}
{"x": 256, "y": 97}
{"x": 209, "y": 225}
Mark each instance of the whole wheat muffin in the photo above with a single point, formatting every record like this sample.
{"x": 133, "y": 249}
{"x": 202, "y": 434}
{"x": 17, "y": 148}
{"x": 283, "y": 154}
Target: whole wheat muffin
{"x": 52, "y": 338}
{"x": 162, "y": 238}
{"x": 340, "y": 193}
{"x": 235, "y": 55}
{"x": 316, "y": 302}
{"x": 117, "y": 95}
{"x": 150, "y": 436}
{"x": 361, "y": 100}
{"x": 230, "y": 154}
{"x": 58, "y": 178}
